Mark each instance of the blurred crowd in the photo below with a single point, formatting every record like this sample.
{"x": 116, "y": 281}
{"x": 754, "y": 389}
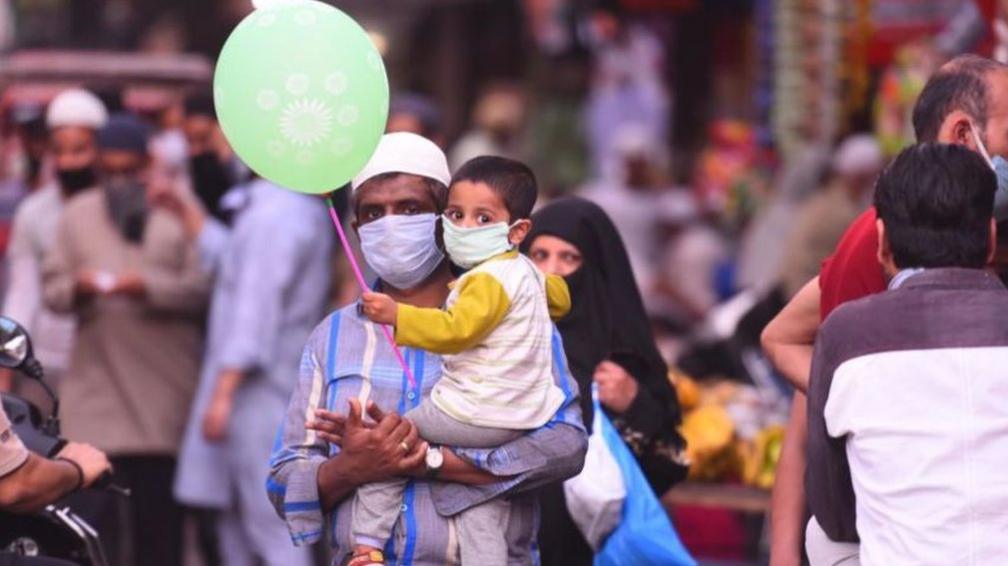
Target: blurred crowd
{"x": 159, "y": 318}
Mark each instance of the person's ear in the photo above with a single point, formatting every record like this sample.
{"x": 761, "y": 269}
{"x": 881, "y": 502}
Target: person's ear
{"x": 992, "y": 242}
{"x": 957, "y": 129}
{"x": 884, "y": 254}
{"x": 519, "y": 230}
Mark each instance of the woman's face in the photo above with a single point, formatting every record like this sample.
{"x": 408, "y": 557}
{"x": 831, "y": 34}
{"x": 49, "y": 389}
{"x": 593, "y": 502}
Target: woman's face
{"x": 555, "y": 256}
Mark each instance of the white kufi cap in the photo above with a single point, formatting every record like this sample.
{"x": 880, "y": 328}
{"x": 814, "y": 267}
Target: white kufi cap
{"x": 78, "y": 108}
{"x": 859, "y": 153}
{"x": 403, "y": 152}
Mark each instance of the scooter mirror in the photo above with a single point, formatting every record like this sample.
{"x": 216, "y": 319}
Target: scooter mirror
{"x": 15, "y": 346}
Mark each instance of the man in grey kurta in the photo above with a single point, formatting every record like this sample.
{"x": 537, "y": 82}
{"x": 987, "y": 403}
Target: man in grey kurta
{"x": 273, "y": 271}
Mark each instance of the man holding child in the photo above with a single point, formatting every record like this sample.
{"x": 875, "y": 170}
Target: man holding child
{"x": 347, "y": 370}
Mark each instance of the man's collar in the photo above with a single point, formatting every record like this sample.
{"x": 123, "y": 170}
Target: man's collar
{"x": 953, "y": 278}
{"x": 900, "y": 278}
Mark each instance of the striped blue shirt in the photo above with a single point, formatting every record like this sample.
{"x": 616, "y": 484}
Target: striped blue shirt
{"x": 347, "y": 357}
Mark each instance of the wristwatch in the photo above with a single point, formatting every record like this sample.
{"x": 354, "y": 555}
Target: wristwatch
{"x": 434, "y": 460}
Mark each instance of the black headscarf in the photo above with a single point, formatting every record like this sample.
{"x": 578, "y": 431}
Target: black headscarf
{"x": 607, "y": 318}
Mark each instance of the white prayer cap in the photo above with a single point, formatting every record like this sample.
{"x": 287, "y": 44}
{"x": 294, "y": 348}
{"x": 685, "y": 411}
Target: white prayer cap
{"x": 76, "y": 107}
{"x": 859, "y": 153}
{"x": 638, "y": 140}
{"x": 403, "y": 152}
{"x": 634, "y": 139}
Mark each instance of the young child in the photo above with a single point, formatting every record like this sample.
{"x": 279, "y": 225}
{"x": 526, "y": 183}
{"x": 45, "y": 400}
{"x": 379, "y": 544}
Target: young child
{"x": 495, "y": 335}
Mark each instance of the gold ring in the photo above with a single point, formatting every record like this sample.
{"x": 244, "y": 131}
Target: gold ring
{"x": 405, "y": 447}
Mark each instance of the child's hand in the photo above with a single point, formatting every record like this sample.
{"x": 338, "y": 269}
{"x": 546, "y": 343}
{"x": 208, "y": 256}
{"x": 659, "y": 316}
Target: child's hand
{"x": 380, "y": 308}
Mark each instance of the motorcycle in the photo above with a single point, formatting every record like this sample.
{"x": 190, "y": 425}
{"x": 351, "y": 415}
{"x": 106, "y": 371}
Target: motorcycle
{"x": 56, "y": 531}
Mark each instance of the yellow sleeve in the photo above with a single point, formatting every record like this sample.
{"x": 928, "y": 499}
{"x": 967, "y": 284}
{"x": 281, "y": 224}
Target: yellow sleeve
{"x": 557, "y": 297}
{"x": 481, "y": 305}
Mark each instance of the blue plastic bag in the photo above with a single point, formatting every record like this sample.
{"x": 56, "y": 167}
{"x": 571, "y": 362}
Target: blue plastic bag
{"x": 645, "y": 536}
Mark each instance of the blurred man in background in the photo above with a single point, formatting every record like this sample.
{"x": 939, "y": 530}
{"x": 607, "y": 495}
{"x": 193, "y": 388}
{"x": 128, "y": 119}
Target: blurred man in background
{"x": 822, "y": 219}
{"x": 23, "y": 167}
{"x": 498, "y": 120}
{"x": 632, "y": 196}
{"x": 128, "y": 272}
{"x": 686, "y": 284}
{"x": 628, "y": 85}
{"x": 417, "y": 114}
{"x": 73, "y": 118}
{"x": 272, "y": 271}
{"x": 22, "y": 170}
{"x": 213, "y": 167}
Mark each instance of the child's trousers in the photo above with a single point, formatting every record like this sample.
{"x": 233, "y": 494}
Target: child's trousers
{"x": 480, "y": 529}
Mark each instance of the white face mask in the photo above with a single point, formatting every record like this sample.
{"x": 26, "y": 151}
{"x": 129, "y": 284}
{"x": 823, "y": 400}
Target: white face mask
{"x": 401, "y": 248}
{"x": 468, "y": 247}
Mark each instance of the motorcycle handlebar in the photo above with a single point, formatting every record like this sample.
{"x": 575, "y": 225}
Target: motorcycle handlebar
{"x": 105, "y": 482}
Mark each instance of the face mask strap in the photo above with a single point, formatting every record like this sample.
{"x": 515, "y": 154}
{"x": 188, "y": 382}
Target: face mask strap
{"x": 512, "y": 227}
{"x": 981, "y": 146}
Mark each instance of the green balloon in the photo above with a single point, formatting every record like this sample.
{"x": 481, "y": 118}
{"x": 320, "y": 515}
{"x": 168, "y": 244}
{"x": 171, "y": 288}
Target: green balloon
{"x": 301, "y": 94}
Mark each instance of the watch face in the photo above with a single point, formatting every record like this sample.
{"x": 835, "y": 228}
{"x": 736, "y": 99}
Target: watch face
{"x": 434, "y": 458}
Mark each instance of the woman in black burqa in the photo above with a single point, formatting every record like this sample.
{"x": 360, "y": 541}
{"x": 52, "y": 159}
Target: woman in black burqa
{"x": 607, "y": 339}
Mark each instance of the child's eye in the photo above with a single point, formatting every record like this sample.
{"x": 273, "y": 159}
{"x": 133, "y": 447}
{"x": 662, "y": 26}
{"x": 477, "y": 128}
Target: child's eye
{"x": 483, "y": 219}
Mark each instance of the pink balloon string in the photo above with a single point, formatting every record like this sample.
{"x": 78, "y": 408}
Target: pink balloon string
{"x": 355, "y": 266}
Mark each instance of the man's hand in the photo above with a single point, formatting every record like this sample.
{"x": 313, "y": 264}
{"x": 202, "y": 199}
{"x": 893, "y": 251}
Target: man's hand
{"x": 218, "y": 413}
{"x": 387, "y": 448}
{"x": 186, "y": 208}
{"x": 90, "y": 282}
{"x": 329, "y": 426}
{"x": 166, "y": 197}
{"x": 617, "y": 388}
{"x": 380, "y": 308}
{"x": 93, "y": 462}
{"x": 217, "y": 417}
{"x": 369, "y": 452}
{"x": 129, "y": 284}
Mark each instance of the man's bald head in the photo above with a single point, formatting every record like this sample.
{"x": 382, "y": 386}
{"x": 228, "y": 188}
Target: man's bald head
{"x": 962, "y": 84}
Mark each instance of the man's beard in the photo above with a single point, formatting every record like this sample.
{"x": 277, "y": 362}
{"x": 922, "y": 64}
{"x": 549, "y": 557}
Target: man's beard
{"x": 73, "y": 181}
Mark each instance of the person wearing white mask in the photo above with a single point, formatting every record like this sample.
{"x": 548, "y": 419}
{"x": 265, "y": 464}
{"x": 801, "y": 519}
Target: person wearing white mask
{"x": 74, "y": 117}
{"x": 500, "y": 310}
{"x": 325, "y": 451}
{"x": 963, "y": 103}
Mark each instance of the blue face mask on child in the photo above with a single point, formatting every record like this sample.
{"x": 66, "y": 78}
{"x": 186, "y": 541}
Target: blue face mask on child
{"x": 1000, "y": 166}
